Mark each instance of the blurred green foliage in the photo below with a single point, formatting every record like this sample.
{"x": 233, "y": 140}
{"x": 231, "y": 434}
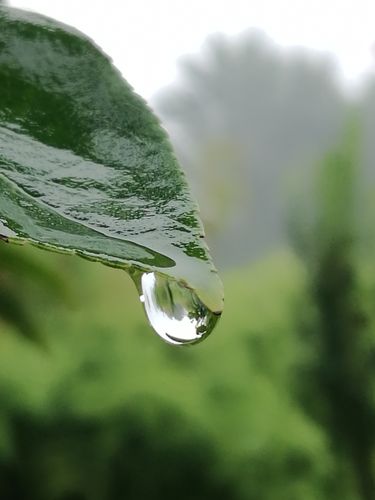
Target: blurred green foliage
{"x": 337, "y": 388}
{"x": 108, "y": 411}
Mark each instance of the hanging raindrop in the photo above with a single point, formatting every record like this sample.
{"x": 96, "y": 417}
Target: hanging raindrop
{"x": 174, "y": 311}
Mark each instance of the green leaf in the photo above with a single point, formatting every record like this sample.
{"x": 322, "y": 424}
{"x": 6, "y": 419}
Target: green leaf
{"x": 85, "y": 167}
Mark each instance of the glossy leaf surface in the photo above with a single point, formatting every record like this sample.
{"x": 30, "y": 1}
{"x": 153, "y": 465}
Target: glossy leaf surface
{"x": 85, "y": 167}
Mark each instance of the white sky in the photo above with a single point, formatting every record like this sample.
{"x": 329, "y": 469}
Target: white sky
{"x": 145, "y": 38}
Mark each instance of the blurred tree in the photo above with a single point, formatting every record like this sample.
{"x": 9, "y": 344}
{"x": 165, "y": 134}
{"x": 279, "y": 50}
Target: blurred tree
{"x": 244, "y": 117}
{"x": 341, "y": 369}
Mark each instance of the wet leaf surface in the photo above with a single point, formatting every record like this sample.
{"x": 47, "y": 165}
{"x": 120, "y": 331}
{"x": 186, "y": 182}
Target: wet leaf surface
{"x": 85, "y": 166}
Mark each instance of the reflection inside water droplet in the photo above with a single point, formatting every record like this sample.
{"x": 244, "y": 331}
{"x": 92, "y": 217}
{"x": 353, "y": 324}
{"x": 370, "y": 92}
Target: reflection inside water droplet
{"x": 174, "y": 311}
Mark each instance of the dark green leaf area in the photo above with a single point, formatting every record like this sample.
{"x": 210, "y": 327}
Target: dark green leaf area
{"x": 78, "y": 142}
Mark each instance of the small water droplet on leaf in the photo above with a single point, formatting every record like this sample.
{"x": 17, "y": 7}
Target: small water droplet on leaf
{"x": 174, "y": 311}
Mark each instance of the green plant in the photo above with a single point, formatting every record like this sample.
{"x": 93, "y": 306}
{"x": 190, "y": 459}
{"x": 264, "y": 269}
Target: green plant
{"x": 87, "y": 169}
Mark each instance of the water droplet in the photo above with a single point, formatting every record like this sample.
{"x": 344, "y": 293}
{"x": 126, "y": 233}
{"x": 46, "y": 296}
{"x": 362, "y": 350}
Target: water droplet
{"x": 174, "y": 310}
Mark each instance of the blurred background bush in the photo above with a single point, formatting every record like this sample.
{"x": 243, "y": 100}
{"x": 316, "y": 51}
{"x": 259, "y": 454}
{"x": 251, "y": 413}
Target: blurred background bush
{"x": 279, "y": 403}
